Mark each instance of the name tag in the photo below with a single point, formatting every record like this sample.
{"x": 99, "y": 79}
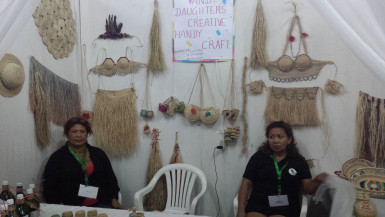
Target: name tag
{"x": 278, "y": 200}
{"x": 88, "y": 191}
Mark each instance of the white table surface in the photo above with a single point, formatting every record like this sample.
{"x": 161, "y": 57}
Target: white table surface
{"x": 47, "y": 210}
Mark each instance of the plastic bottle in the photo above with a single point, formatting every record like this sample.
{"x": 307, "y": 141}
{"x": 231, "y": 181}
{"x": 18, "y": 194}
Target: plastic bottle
{"x": 6, "y": 194}
{"x": 4, "y": 210}
{"x": 22, "y": 209}
{"x": 19, "y": 188}
{"x": 32, "y": 186}
{"x": 32, "y": 202}
{"x": 11, "y": 208}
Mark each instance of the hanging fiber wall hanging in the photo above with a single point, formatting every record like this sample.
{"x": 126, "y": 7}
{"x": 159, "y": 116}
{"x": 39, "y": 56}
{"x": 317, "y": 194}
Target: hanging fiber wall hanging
{"x": 156, "y": 199}
{"x": 56, "y": 26}
{"x": 244, "y": 107}
{"x": 115, "y": 121}
{"x": 51, "y": 98}
{"x": 295, "y": 106}
{"x": 258, "y": 48}
{"x": 370, "y": 129}
{"x": 156, "y": 59}
{"x": 176, "y": 156}
{"x": 302, "y": 68}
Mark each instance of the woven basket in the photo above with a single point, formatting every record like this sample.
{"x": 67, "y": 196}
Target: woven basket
{"x": 355, "y": 163}
{"x": 80, "y": 213}
{"x": 192, "y": 112}
{"x": 365, "y": 208}
{"x": 209, "y": 115}
{"x": 370, "y": 180}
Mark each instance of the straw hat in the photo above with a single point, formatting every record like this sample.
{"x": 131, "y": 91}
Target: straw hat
{"x": 12, "y": 75}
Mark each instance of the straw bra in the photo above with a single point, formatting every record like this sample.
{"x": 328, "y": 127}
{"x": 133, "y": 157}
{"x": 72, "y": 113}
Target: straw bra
{"x": 302, "y": 67}
{"x": 123, "y": 66}
{"x": 12, "y": 75}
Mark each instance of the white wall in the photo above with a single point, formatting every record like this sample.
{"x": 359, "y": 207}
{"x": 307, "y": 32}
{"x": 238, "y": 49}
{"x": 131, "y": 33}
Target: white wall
{"x": 21, "y": 159}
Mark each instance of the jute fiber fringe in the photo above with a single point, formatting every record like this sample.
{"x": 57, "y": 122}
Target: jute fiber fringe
{"x": 156, "y": 62}
{"x": 370, "y": 129}
{"x": 51, "y": 98}
{"x": 258, "y": 49}
{"x": 244, "y": 106}
{"x": 156, "y": 199}
{"x": 295, "y": 106}
{"x": 114, "y": 121}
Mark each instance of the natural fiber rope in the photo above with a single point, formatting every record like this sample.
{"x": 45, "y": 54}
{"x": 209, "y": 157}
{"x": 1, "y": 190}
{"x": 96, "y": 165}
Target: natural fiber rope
{"x": 244, "y": 107}
{"x": 258, "y": 52}
{"x": 294, "y": 20}
{"x": 156, "y": 60}
{"x": 146, "y": 104}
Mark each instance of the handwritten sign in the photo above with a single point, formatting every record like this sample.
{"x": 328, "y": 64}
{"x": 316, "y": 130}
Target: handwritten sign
{"x": 203, "y": 30}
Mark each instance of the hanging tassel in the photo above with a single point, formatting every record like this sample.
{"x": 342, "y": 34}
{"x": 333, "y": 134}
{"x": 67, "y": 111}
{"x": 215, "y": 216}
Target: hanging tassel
{"x": 176, "y": 156}
{"x": 156, "y": 62}
{"x": 258, "y": 53}
{"x": 156, "y": 199}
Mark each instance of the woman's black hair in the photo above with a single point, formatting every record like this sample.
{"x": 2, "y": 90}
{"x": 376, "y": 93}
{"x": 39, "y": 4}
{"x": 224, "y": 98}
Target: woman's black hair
{"x": 292, "y": 149}
{"x": 76, "y": 120}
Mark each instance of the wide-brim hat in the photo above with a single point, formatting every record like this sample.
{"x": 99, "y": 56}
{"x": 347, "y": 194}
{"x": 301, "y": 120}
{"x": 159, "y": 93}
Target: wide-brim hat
{"x": 12, "y": 75}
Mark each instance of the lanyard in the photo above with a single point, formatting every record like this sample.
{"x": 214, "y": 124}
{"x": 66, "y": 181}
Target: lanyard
{"x": 83, "y": 163}
{"x": 279, "y": 173}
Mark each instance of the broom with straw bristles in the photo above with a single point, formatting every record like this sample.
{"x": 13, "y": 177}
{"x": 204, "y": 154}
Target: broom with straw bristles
{"x": 258, "y": 49}
{"x": 156, "y": 199}
{"x": 176, "y": 156}
{"x": 156, "y": 61}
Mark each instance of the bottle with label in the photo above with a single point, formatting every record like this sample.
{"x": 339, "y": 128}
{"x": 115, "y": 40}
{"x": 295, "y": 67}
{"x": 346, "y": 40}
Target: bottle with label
{"x": 32, "y": 186}
{"x": 11, "y": 208}
{"x": 31, "y": 201}
{"x": 22, "y": 209}
{"x": 6, "y": 194}
{"x": 19, "y": 188}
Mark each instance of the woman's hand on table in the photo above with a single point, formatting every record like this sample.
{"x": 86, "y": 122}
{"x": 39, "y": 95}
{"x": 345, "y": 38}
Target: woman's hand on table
{"x": 116, "y": 204}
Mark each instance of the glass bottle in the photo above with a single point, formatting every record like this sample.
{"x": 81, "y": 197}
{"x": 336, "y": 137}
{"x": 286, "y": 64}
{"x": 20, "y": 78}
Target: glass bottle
{"x": 11, "y": 208}
{"x": 19, "y": 188}
{"x": 22, "y": 209}
{"x": 6, "y": 194}
{"x": 32, "y": 186}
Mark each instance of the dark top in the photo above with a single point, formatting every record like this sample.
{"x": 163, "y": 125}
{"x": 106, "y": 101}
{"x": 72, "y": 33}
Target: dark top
{"x": 63, "y": 175}
{"x": 261, "y": 171}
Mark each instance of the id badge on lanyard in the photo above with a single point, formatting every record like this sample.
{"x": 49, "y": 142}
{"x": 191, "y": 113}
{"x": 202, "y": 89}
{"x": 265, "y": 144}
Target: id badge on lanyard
{"x": 278, "y": 200}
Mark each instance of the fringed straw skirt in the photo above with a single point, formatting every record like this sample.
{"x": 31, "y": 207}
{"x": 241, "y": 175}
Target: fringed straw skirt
{"x": 114, "y": 122}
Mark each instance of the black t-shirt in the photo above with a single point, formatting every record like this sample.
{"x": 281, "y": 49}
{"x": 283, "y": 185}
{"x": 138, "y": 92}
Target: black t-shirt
{"x": 261, "y": 171}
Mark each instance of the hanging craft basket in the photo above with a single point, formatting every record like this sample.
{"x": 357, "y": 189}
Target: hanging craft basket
{"x": 355, "y": 163}
{"x": 194, "y": 113}
{"x": 371, "y": 180}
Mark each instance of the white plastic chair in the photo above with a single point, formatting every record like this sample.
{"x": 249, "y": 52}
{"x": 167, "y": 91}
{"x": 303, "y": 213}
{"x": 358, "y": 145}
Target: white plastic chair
{"x": 180, "y": 179}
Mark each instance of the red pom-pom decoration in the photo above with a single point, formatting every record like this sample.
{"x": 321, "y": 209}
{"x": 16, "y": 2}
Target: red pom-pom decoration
{"x": 193, "y": 111}
{"x": 291, "y": 38}
{"x": 304, "y": 34}
{"x": 86, "y": 116}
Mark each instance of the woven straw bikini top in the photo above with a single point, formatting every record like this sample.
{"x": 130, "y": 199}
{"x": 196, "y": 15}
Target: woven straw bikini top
{"x": 122, "y": 67}
{"x": 302, "y": 68}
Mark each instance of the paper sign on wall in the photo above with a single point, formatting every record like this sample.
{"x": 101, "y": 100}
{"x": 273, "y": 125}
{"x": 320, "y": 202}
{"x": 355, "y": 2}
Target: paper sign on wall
{"x": 203, "y": 30}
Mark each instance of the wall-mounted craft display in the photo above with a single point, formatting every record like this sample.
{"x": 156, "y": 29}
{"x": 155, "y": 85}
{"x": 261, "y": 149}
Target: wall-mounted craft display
{"x": 370, "y": 129}
{"x": 156, "y": 199}
{"x": 123, "y": 66}
{"x": 56, "y": 26}
{"x": 299, "y": 66}
{"x": 258, "y": 56}
{"x": 295, "y": 106}
{"x": 244, "y": 106}
{"x": 176, "y": 156}
{"x": 208, "y": 115}
{"x": 12, "y": 75}
{"x": 51, "y": 98}
{"x": 115, "y": 121}
{"x": 114, "y": 31}
{"x": 230, "y": 107}
{"x": 156, "y": 60}
{"x": 256, "y": 87}
{"x": 171, "y": 106}
{"x": 146, "y": 110}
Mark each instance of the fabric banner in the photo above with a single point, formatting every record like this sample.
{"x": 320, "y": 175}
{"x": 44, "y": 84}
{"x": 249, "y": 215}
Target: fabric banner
{"x": 203, "y": 30}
